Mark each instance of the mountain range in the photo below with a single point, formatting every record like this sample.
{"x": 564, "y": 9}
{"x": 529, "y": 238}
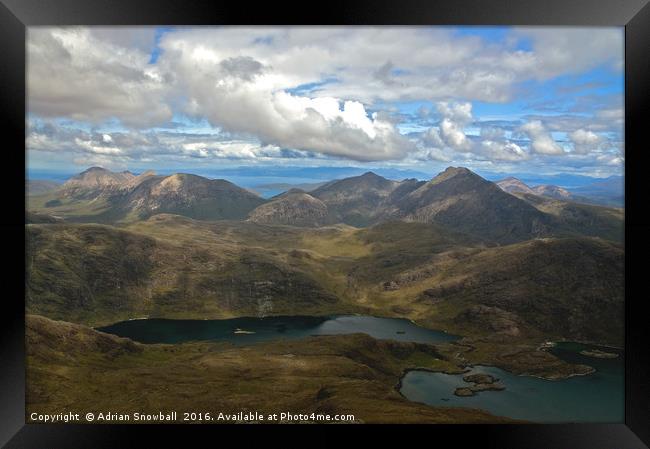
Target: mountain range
{"x": 457, "y": 198}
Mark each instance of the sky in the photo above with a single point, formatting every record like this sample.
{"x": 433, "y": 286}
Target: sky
{"x": 544, "y": 100}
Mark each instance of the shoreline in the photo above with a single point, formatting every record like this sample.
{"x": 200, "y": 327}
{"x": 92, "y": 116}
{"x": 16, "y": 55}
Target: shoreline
{"x": 330, "y": 316}
{"x": 410, "y": 320}
{"x": 592, "y": 343}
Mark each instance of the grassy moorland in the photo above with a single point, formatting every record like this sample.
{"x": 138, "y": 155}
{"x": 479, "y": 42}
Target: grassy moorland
{"x": 505, "y": 300}
{"x": 170, "y": 266}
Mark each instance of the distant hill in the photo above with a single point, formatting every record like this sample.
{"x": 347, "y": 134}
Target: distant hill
{"x": 357, "y": 200}
{"x": 514, "y": 185}
{"x": 40, "y": 186}
{"x": 293, "y": 207}
{"x": 605, "y": 193}
{"x": 100, "y": 195}
{"x": 609, "y": 192}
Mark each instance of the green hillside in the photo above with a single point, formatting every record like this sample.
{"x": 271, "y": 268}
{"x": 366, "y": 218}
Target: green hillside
{"x": 170, "y": 266}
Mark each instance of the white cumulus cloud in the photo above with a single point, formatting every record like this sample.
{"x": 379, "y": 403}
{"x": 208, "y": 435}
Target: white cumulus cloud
{"x": 455, "y": 117}
{"x": 308, "y": 90}
{"x": 73, "y": 73}
{"x": 541, "y": 140}
{"x": 585, "y": 141}
{"x": 254, "y": 106}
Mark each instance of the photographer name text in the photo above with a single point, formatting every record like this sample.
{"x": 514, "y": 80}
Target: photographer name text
{"x": 172, "y": 416}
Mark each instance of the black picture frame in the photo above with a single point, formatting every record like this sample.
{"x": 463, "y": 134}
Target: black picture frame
{"x": 16, "y": 15}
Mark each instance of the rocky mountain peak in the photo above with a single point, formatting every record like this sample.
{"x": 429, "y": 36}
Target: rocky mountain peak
{"x": 296, "y": 208}
{"x": 458, "y": 174}
{"x": 98, "y": 178}
{"x": 95, "y": 169}
{"x": 458, "y": 171}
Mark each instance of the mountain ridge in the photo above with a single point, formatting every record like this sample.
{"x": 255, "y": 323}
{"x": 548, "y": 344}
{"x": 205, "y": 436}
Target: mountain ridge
{"x": 515, "y": 186}
{"x": 123, "y": 195}
{"x": 457, "y": 198}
